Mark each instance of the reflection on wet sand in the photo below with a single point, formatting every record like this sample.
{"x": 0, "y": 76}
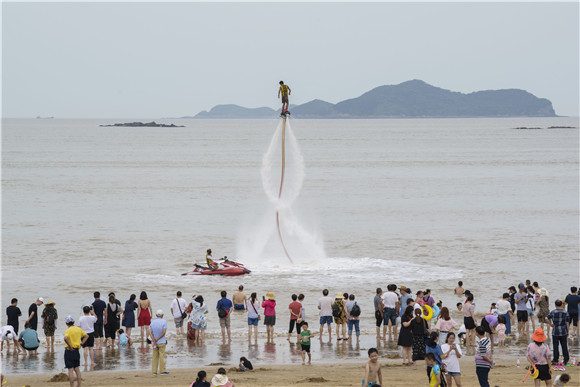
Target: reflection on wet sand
{"x": 183, "y": 353}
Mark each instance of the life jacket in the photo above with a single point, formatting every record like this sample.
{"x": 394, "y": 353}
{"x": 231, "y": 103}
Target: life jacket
{"x": 284, "y": 89}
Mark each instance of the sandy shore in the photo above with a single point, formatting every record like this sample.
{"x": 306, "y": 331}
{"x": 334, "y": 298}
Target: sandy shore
{"x": 345, "y": 374}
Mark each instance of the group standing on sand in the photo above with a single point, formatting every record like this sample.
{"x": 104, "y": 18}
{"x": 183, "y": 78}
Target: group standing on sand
{"x": 418, "y": 313}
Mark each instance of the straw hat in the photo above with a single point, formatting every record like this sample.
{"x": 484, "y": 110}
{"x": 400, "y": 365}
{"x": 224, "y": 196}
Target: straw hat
{"x": 339, "y": 296}
{"x": 219, "y": 380}
{"x": 544, "y": 292}
{"x": 269, "y": 296}
{"x": 539, "y": 335}
{"x": 50, "y": 303}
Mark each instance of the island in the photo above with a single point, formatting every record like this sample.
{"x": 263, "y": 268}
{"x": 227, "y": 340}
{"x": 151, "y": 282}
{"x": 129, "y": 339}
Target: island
{"x": 151, "y": 124}
{"x": 411, "y": 99}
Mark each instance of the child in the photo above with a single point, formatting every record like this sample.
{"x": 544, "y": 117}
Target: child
{"x": 459, "y": 307}
{"x": 435, "y": 374}
{"x": 373, "y": 370}
{"x": 500, "y": 331}
{"x": 493, "y": 309}
{"x": 245, "y": 364}
{"x": 220, "y": 379}
{"x": 305, "y": 336}
{"x": 561, "y": 380}
{"x": 123, "y": 338}
{"x": 201, "y": 380}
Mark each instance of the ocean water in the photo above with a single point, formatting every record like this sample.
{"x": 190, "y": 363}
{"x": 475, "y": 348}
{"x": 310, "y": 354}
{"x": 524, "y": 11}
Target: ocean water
{"x": 417, "y": 202}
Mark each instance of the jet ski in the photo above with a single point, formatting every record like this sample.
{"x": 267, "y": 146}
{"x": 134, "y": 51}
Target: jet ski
{"x": 224, "y": 266}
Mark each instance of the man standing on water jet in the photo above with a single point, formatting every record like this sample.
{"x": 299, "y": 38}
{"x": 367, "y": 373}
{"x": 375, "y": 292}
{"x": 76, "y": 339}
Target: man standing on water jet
{"x": 285, "y": 91}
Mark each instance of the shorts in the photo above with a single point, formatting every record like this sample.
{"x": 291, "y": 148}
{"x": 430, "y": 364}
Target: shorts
{"x": 253, "y": 321}
{"x": 90, "y": 343}
{"x": 486, "y": 326}
{"x": 98, "y": 329}
{"x": 178, "y": 321}
{"x": 469, "y": 323}
{"x": 453, "y": 373}
{"x": 305, "y": 347}
{"x": 239, "y": 307}
{"x": 544, "y": 372}
{"x": 379, "y": 318}
{"x": 291, "y": 328}
{"x": 530, "y": 313}
{"x": 325, "y": 320}
{"x": 284, "y": 99}
{"x": 30, "y": 349}
{"x": 225, "y": 321}
{"x": 522, "y": 316}
{"x": 197, "y": 327}
{"x": 110, "y": 332}
{"x": 269, "y": 320}
{"x": 390, "y": 314}
{"x": 574, "y": 319}
{"x": 72, "y": 359}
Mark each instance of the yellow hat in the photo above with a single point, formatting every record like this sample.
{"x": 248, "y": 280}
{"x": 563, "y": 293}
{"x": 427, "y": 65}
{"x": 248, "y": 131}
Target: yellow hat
{"x": 270, "y": 296}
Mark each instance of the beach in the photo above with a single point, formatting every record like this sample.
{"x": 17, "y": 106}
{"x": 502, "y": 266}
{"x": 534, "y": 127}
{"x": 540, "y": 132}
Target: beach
{"x": 348, "y": 373}
{"x": 417, "y": 203}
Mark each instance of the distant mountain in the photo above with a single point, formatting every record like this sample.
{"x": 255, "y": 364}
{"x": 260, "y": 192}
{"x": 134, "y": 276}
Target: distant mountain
{"x": 411, "y": 99}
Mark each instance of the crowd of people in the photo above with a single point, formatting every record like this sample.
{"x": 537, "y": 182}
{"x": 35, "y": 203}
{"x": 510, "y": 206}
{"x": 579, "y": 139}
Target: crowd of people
{"x": 422, "y": 327}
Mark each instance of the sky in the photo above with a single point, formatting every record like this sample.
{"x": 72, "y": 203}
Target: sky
{"x": 153, "y": 60}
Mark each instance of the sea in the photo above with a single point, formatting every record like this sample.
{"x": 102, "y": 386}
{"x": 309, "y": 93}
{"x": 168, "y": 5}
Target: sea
{"x": 423, "y": 203}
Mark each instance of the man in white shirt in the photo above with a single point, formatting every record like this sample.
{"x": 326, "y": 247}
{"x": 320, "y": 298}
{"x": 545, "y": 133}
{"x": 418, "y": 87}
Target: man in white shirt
{"x": 178, "y": 306}
{"x": 504, "y": 308}
{"x": 390, "y": 308}
{"x": 325, "y": 307}
{"x": 87, "y": 324}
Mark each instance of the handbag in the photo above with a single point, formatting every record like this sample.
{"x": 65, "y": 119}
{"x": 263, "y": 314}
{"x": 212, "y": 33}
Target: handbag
{"x": 183, "y": 314}
{"x": 254, "y": 307}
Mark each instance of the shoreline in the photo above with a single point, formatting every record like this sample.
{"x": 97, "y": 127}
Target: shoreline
{"x": 348, "y": 373}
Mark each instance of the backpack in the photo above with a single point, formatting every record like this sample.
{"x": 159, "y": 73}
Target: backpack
{"x": 222, "y": 312}
{"x": 355, "y": 310}
{"x": 336, "y": 310}
{"x": 49, "y": 318}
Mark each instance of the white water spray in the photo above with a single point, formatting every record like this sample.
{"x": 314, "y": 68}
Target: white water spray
{"x": 295, "y": 242}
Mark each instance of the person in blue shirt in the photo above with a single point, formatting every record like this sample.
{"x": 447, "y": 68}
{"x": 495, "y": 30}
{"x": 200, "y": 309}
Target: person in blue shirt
{"x": 157, "y": 331}
{"x": 99, "y": 307}
{"x": 224, "y": 308}
{"x": 431, "y": 346}
{"x": 560, "y": 323}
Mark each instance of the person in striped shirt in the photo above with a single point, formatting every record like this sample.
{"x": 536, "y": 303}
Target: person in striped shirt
{"x": 483, "y": 357}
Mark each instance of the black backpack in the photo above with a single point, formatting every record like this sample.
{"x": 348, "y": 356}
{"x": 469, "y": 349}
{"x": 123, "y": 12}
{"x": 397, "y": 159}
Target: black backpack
{"x": 336, "y": 310}
{"x": 355, "y": 311}
{"x": 49, "y": 318}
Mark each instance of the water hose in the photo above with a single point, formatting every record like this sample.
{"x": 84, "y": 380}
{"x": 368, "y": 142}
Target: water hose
{"x": 282, "y": 185}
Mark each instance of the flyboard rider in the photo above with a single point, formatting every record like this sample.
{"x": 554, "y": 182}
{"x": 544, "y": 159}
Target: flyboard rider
{"x": 285, "y": 91}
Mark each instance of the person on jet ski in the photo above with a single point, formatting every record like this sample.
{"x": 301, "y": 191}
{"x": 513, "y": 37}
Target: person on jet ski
{"x": 210, "y": 262}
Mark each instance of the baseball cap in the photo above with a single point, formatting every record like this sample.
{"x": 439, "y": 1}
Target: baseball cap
{"x": 159, "y": 312}
{"x": 69, "y": 319}
{"x": 40, "y": 299}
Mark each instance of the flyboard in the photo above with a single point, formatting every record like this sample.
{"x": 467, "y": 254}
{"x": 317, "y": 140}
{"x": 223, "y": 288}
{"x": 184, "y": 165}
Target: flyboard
{"x": 284, "y": 116}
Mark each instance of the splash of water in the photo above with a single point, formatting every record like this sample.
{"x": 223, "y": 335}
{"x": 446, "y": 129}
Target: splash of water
{"x": 279, "y": 234}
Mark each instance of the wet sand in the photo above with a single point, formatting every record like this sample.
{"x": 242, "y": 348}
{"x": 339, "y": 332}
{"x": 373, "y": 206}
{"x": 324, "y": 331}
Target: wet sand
{"x": 348, "y": 373}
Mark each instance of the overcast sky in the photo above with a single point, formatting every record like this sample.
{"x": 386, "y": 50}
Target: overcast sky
{"x": 155, "y": 60}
